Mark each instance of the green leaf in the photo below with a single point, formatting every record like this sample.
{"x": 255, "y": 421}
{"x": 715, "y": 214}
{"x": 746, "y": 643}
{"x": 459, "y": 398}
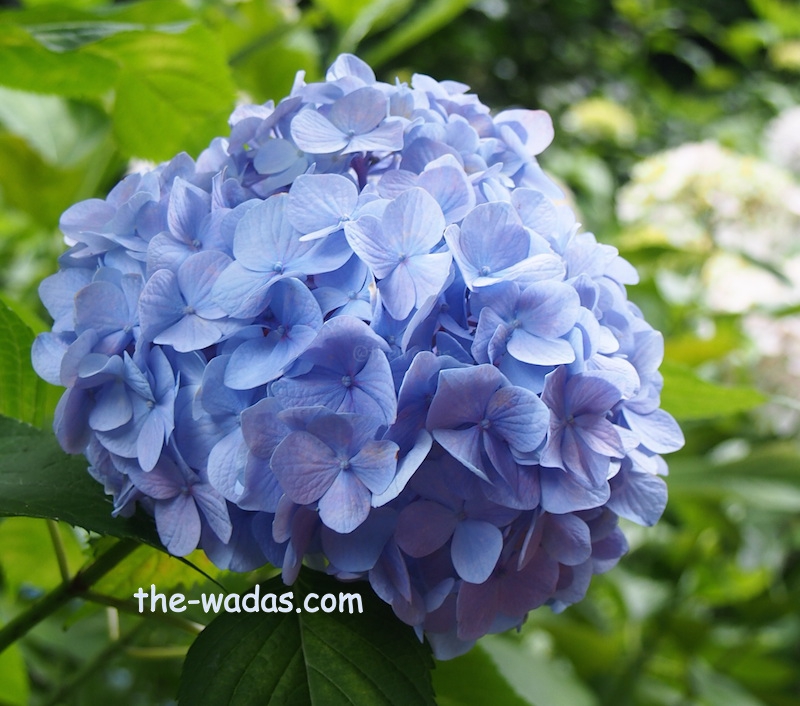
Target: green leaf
{"x": 33, "y": 186}
{"x": 14, "y": 678}
{"x": 37, "y": 479}
{"x": 62, "y": 132}
{"x": 304, "y": 658}
{"x": 28, "y": 555}
{"x": 686, "y": 396}
{"x": 29, "y": 66}
{"x": 473, "y": 680}
{"x": 23, "y": 394}
{"x": 545, "y": 681}
{"x": 174, "y": 91}
{"x": 768, "y": 478}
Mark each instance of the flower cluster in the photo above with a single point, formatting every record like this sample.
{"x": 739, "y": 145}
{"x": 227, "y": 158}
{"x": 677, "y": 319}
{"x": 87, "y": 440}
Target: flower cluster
{"x": 365, "y": 333}
{"x": 740, "y": 213}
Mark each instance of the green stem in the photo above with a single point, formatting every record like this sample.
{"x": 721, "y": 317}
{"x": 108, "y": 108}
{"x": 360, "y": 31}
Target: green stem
{"x": 62, "y": 594}
{"x": 58, "y": 546}
{"x": 130, "y": 607}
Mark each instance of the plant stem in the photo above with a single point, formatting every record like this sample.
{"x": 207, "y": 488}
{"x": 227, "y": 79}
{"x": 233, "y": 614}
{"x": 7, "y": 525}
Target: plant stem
{"x": 130, "y": 607}
{"x": 62, "y": 594}
{"x": 58, "y": 546}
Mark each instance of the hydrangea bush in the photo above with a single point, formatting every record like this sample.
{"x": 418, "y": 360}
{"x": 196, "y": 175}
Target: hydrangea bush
{"x": 365, "y": 333}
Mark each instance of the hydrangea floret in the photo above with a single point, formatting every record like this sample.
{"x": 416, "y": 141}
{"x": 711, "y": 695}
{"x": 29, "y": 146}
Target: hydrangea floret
{"x": 365, "y": 332}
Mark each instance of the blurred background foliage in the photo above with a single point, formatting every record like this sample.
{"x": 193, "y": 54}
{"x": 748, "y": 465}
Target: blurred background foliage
{"x": 677, "y": 141}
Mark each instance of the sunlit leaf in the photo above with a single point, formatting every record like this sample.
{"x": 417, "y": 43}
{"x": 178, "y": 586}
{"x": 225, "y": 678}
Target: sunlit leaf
{"x": 174, "y": 91}
{"x": 686, "y": 396}
{"x": 61, "y": 132}
{"x": 23, "y": 395}
{"x": 545, "y": 681}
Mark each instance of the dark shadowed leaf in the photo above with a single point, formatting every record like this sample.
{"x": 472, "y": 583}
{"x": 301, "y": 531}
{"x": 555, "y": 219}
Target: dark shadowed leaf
{"x": 38, "y": 479}
{"x": 303, "y": 658}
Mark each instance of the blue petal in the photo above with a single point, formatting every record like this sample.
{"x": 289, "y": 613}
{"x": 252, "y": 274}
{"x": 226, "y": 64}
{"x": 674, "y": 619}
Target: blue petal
{"x": 465, "y": 445}
{"x": 226, "y": 464}
{"x": 359, "y": 112}
{"x": 361, "y": 549}
{"x": 519, "y": 416}
{"x": 316, "y": 134}
{"x": 305, "y": 467}
{"x": 178, "y": 524}
{"x": 567, "y": 539}
{"x": 638, "y": 497}
{"x": 345, "y": 504}
{"x": 462, "y": 396}
{"x": 375, "y": 464}
{"x": 535, "y": 350}
{"x": 214, "y": 509}
{"x": 561, "y": 493}
{"x": 188, "y": 206}
{"x": 475, "y": 550}
{"x": 196, "y": 277}
{"x": 320, "y": 201}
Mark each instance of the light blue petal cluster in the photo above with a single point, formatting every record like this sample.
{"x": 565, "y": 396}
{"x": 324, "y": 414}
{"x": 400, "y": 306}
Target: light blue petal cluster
{"x": 365, "y": 332}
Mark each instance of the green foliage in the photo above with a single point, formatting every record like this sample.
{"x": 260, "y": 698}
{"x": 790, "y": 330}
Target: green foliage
{"x": 26, "y": 541}
{"x": 686, "y": 396}
{"x": 23, "y": 394}
{"x": 300, "y": 658}
{"x": 37, "y": 479}
{"x": 474, "y": 679}
{"x": 14, "y": 678}
{"x": 702, "y": 611}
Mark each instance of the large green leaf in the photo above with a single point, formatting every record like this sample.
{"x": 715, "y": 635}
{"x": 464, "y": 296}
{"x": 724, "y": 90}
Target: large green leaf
{"x": 545, "y": 681}
{"x": 174, "y": 91}
{"x": 303, "y": 658}
{"x": 61, "y": 131}
{"x": 23, "y": 395}
{"x": 686, "y": 396}
{"x": 474, "y": 680}
{"x": 29, "y": 66}
{"x": 38, "y": 479}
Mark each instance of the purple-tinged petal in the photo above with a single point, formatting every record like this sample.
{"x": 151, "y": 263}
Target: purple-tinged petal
{"x": 178, "y": 524}
{"x": 345, "y": 504}
{"x": 475, "y": 549}
{"x": 316, "y": 134}
{"x": 214, "y": 509}
{"x": 375, "y": 464}
{"x": 424, "y": 526}
{"x": 566, "y": 538}
{"x": 638, "y": 497}
{"x": 305, "y": 467}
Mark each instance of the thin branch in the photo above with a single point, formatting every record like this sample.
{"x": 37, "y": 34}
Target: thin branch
{"x": 176, "y": 652}
{"x": 130, "y": 607}
{"x": 61, "y": 595}
{"x": 60, "y": 549}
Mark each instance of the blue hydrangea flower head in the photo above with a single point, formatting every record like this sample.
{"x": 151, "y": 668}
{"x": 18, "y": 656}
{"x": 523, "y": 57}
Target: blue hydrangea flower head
{"x": 364, "y": 331}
